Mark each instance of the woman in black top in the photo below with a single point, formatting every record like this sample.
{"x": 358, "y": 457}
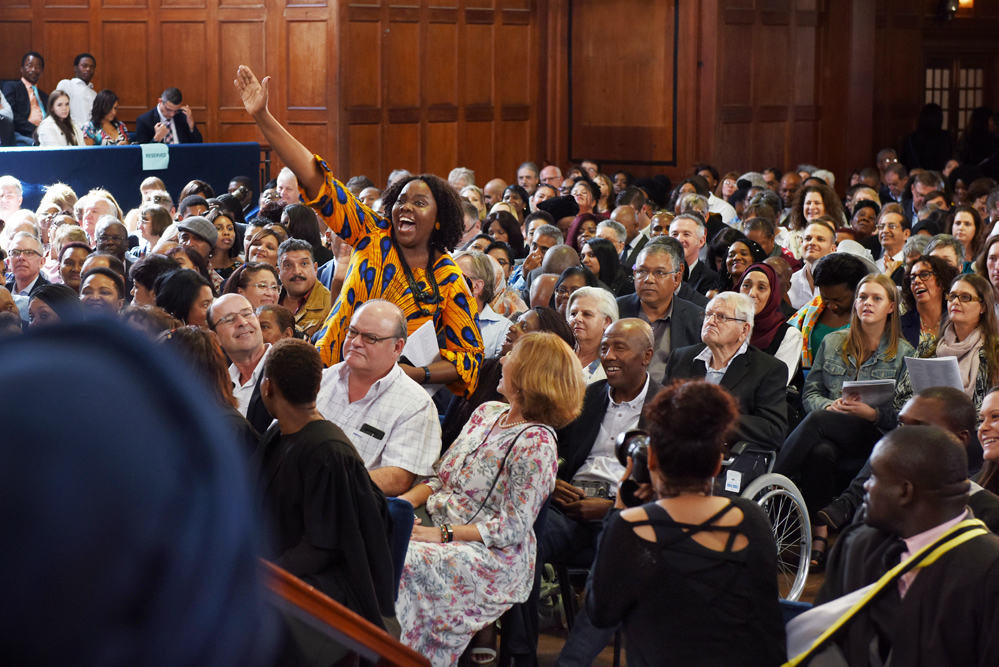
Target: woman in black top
{"x": 692, "y": 577}
{"x": 600, "y": 257}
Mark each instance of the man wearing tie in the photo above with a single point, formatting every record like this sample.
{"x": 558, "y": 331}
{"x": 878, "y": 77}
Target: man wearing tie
{"x": 26, "y": 100}
{"x": 168, "y": 123}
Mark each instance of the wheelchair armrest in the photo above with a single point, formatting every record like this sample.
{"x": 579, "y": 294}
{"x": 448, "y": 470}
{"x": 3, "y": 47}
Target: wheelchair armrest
{"x": 734, "y": 451}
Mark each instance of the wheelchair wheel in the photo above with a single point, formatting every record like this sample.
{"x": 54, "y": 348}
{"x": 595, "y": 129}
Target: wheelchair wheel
{"x": 781, "y": 500}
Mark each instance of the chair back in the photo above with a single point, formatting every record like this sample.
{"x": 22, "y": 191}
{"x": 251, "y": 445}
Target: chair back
{"x": 402, "y": 528}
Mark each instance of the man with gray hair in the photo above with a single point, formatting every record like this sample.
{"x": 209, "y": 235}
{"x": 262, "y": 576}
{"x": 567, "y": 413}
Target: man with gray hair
{"x": 93, "y": 208}
{"x": 614, "y": 232}
{"x": 25, "y": 259}
{"x": 675, "y": 322}
{"x": 944, "y": 246}
{"x": 397, "y": 175}
{"x": 460, "y": 177}
{"x": 11, "y": 195}
{"x": 755, "y": 379}
{"x": 528, "y": 177}
{"x": 478, "y": 271}
{"x": 389, "y": 418}
{"x": 689, "y": 230}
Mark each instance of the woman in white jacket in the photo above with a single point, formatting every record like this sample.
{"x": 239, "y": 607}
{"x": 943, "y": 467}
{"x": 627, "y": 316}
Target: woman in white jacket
{"x": 57, "y": 128}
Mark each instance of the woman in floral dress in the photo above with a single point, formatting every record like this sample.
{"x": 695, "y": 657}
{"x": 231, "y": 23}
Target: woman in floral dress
{"x": 477, "y": 559}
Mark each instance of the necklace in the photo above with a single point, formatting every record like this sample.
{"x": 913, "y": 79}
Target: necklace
{"x": 506, "y": 416}
{"x": 431, "y": 296}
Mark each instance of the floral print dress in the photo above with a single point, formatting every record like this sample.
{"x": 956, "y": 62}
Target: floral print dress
{"x": 451, "y": 591}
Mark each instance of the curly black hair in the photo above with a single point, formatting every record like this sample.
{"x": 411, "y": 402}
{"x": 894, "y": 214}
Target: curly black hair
{"x": 450, "y": 215}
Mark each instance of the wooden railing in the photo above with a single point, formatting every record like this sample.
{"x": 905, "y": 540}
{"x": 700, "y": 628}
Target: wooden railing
{"x": 325, "y": 615}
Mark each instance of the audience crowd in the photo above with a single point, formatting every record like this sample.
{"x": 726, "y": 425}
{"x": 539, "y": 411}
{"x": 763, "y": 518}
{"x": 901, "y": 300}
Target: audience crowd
{"x": 725, "y": 312}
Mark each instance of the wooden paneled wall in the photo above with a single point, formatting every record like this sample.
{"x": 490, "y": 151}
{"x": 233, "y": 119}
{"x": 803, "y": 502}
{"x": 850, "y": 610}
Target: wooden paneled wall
{"x": 429, "y": 86}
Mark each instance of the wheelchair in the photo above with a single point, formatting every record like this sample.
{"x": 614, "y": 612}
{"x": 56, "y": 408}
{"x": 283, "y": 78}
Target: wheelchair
{"x": 782, "y": 501}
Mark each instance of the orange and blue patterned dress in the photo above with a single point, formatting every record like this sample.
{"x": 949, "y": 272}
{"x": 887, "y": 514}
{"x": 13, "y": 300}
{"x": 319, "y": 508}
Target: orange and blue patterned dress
{"x": 376, "y": 273}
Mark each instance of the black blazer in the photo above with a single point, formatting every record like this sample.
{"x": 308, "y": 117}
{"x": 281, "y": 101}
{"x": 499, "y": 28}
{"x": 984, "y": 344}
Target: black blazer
{"x": 42, "y": 280}
{"x": 687, "y": 293}
{"x": 576, "y": 440}
{"x": 17, "y": 96}
{"x": 702, "y": 278}
{"x": 755, "y": 379}
{"x": 256, "y": 411}
{"x": 910, "y": 327}
{"x": 628, "y": 258}
{"x": 145, "y": 128}
{"x": 684, "y": 327}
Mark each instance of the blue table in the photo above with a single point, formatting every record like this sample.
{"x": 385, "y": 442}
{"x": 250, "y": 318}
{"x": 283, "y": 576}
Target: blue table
{"x": 119, "y": 169}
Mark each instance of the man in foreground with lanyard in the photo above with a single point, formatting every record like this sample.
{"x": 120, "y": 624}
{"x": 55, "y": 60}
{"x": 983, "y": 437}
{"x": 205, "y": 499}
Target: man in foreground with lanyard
{"x": 917, "y": 582}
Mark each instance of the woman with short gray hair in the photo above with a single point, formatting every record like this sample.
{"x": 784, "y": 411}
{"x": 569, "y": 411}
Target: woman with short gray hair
{"x": 589, "y": 312}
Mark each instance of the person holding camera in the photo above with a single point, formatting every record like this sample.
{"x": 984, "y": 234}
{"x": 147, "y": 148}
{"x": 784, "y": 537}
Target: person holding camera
{"x": 690, "y": 576}
{"x": 588, "y": 467}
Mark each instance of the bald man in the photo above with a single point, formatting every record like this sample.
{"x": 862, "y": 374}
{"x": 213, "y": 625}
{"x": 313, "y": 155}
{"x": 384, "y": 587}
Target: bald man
{"x": 916, "y": 501}
{"x": 790, "y": 183}
{"x": 389, "y": 418}
{"x": 589, "y": 470}
{"x": 492, "y": 193}
{"x": 552, "y": 176}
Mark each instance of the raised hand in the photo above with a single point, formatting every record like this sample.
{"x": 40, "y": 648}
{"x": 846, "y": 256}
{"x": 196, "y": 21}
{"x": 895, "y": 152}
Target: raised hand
{"x": 253, "y": 93}
{"x": 190, "y": 116}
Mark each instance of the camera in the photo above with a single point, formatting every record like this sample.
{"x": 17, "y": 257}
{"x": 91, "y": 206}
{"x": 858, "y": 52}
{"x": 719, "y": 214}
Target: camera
{"x": 636, "y": 445}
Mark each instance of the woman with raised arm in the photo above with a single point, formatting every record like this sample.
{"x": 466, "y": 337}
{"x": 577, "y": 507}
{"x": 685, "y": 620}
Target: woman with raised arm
{"x": 404, "y": 259}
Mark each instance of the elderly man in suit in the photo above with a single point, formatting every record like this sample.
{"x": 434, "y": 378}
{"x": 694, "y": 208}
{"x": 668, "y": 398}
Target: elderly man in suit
{"x": 589, "y": 471}
{"x": 675, "y": 321}
{"x": 168, "y": 123}
{"x": 754, "y": 378}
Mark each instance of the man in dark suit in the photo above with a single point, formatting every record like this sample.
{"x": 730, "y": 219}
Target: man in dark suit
{"x": 588, "y": 471}
{"x": 689, "y": 229}
{"x": 916, "y": 501}
{"x": 26, "y": 100}
{"x": 168, "y": 122}
{"x": 754, "y": 378}
{"x": 675, "y": 321}
{"x": 628, "y": 217}
{"x": 25, "y": 257}
{"x": 232, "y": 320}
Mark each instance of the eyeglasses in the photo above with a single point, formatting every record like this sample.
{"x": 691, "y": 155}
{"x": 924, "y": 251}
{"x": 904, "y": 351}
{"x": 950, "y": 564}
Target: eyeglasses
{"x": 27, "y": 252}
{"x": 265, "y": 287}
{"x": 922, "y": 275}
{"x": 658, "y": 274}
{"x": 963, "y": 297}
{"x": 368, "y": 338}
{"x": 719, "y": 317}
{"x": 246, "y": 314}
{"x": 890, "y": 226}
{"x": 565, "y": 291}
{"x": 117, "y": 238}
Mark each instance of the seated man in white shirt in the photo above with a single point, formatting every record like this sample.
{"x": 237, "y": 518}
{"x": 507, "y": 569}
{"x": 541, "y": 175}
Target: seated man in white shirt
{"x": 233, "y": 321}
{"x": 81, "y": 92}
{"x": 479, "y": 271}
{"x": 389, "y": 418}
{"x": 589, "y": 471}
{"x": 817, "y": 241}
{"x": 893, "y": 231}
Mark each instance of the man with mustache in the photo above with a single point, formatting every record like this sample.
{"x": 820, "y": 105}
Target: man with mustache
{"x": 307, "y": 298}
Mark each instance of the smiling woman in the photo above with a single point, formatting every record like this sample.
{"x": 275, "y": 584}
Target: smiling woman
{"x": 403, "y": 259}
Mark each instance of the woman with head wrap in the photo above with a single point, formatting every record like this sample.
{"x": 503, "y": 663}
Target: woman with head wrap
{"x": 771, "y": 332}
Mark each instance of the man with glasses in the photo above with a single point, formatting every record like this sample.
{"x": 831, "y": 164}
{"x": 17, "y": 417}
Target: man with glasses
{"x": 390, "y": 419}
{"x": 25, "y": 259}
{"x": 893, "y": 231}
{"x": 232, "y": 320}
{"x": 755, "y": 379}
{"x": 168, "y": 123}
{"x": 675, "y": 322}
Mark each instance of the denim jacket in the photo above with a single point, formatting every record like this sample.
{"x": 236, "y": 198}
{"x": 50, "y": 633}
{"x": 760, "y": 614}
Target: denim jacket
{"x": 825, "y": 381}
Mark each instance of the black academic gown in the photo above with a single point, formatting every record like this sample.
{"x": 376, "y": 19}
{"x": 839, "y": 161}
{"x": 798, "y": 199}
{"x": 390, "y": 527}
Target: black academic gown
{"x": 949, "y": 615}
{"x": 323, "y": 504}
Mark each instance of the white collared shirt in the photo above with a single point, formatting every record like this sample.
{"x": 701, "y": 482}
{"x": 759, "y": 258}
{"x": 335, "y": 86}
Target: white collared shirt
{"x": 81, "y": 99}
{"x": 602, "y": 465}
{"x": 394, "y": 425}
{"x": 900, "y": 257}
{"x": 493, "y": 328}
{"x": 244, "y": 392}
{"x": 170, "y": 122}
{"x": 27, "y": 290}
{"x": 715, "y": 376}
{"x": 722, "y": 208}
{"x": 800, "y": 293}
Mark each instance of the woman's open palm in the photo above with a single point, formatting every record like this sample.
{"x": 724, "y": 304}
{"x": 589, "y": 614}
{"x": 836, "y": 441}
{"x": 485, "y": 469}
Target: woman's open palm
{"x": 253, "y": 92}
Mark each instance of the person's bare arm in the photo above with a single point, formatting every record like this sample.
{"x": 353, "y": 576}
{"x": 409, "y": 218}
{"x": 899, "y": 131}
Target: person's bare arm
{"x": 393, "y": 481}
{"x": 298, "y": 158}
{"x": 441, "y": 372}
{"x": 417, "y": 496}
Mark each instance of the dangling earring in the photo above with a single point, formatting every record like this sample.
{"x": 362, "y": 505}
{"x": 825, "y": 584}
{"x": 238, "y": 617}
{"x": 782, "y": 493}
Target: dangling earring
{"x": 437, "y": 226}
